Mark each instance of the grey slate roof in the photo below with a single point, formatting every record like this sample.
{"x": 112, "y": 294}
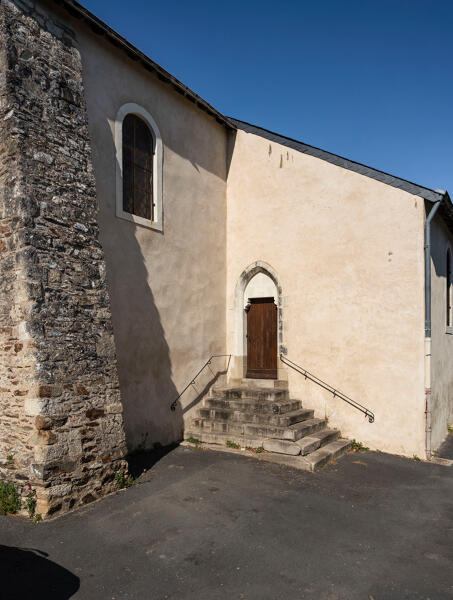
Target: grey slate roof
{"x": 445, "y": 209}
{"x": 100, "y": 28}
{"x": 345, "y": 163}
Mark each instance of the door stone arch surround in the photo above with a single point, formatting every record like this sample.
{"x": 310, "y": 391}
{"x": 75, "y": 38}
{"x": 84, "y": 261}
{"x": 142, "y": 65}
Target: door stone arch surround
{"x": 240, "y": 322}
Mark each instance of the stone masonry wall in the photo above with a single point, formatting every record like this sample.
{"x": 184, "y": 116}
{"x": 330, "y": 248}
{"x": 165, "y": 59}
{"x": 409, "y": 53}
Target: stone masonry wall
{"x": 60, "y": 409}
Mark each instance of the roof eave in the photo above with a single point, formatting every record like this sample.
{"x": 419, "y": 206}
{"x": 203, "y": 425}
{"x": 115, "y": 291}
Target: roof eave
{"x": 341, "y": 161}
{"x": 446, "y": 209}
{"x": 100, "y": 28}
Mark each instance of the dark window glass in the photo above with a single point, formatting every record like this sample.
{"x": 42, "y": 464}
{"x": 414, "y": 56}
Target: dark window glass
{"x": 137, "y": 167}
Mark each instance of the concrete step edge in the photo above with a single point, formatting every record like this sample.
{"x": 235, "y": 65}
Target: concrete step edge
{"x": 212, "y": 437}
{"x": 323, "y": 455}
{"x": 316, "y": 440}
{"x": 266, "y": 430}
{"x": 286, "y": 419}
{"x": 280, "y": 407}
{"x": 242, "y": 392}
{"x": 299, "y": 430}
{"x": 281, "y": 446}
{"x": 295, "y": 462}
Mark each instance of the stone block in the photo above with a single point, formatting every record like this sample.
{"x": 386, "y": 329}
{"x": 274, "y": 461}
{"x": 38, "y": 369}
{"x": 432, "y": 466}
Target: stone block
{"x": 57, "y": 373}
{"x": 43, "y": 437}
{"x": 281, "y": 447}
{"x": 23, "y": 331}
{"x": 49, "y": 391}
{"x": 42, "y": 422}
{"x": 58, "y": 491}
{"x": 34, "y": 406}
{"x": 95, "y": 413}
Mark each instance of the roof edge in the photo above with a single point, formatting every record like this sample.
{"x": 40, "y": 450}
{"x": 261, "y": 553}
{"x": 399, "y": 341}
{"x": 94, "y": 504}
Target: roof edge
{"x": 76, "y": 10}
{"x": 100, "y": 28}
{"x": 341, "y": 161}
{"x": 446, "y": 210}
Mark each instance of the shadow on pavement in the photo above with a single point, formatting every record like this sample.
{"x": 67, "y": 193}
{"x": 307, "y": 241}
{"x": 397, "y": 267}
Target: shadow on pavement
{"x": 26, "y": 574}
{"x": 140, "y": 462}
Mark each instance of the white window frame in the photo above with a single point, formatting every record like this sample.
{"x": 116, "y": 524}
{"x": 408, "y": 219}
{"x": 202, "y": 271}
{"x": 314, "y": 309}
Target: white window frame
{"x": 139, "y": 111}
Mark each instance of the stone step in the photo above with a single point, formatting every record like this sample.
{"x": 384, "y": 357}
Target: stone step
{"x": 292, "y": 432}
{"x": 281, "y": 446}
{"x": 280, "y": 407}
{"x": 209, "y": 437}
{"x": 281, "y": 451}
{"x": 310, "y": 443}
{"x": 227, "y": 414}
{"x": 302, "y": 446}
{"x": 255, "y": 413}
{"x": 318, "y": 458}
{"x": 216, "y": 426}
{"x": 259, "y": 383}
{"x": 255, "y": 393}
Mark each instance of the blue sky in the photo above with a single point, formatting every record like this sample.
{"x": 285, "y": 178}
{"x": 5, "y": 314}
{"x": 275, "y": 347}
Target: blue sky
{"x": 369, "y": 80}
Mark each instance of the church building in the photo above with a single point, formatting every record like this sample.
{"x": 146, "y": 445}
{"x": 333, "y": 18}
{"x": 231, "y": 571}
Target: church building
{"x": 170, "y": 272}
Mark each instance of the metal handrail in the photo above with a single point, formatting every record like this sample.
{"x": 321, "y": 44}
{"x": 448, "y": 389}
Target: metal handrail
{"x": 192, "y": 381}
{"x": 326, "y": 386}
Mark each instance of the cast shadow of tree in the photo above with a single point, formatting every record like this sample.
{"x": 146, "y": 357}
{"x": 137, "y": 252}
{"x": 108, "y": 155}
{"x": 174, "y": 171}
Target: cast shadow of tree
{"x": 28, "y": 574}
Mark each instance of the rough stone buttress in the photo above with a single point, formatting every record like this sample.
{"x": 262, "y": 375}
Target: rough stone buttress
{"x": 60, "y": 410}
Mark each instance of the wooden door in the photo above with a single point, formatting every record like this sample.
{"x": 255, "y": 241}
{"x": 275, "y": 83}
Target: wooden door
{"x": 262, "y": 339}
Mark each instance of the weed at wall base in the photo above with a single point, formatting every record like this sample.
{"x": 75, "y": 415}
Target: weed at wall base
{"x": 123, "y": 480}
{"x": 232, "y": 444}
{"x": 30, "y": 502}
{"x": 10, "y": 502}
{"x": 358, "y": 446}
{"x": 255, "y": 450}
{"x": 193, "y": 440}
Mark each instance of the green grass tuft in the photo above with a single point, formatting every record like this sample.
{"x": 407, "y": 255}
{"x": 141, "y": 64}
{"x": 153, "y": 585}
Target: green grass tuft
{"x": 30, "y": 503}
{"x": 123, "y": 480}
{"x": 232, "y": 444}
{"x": 193, "y": 440}
{"x": 255, "y": 450}
{"x": 359, "y": 447}
{"x": 10, "y": 501}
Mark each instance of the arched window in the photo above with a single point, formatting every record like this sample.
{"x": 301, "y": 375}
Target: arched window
{"x": 137, "y": 167}
{"x": 449, "y": 290}
{"x": 139, "y": 160}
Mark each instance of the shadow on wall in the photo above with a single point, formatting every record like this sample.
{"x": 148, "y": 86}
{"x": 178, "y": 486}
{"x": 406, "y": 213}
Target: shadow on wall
{"x": 28, "y": 573}
{"x": 145, "y": 369}
{"x": 200, "y": 386}
{"x": 143, "y": 355}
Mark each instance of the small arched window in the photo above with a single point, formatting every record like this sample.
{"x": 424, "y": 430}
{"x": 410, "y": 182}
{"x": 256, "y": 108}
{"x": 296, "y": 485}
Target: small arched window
{"x": 139, "y": 162}
{"x": 449, "y": 290}
{"x": 137, "y": 168}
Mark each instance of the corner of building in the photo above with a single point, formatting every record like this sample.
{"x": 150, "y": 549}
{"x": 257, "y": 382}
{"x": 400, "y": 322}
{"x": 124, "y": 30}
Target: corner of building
{"x": 61, "y": 413}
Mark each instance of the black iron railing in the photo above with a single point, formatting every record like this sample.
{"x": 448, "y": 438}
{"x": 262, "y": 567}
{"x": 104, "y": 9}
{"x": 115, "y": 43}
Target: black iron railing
{"x": 192, "y": 381}
{"x": 336, "y": 393}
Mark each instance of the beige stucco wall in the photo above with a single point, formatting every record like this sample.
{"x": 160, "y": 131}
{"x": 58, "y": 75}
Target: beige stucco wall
{"x": 348, "y": 253}
{"x": 442, "y": 338}
{"x": 260, "y": 286}
{"x": 167, "y": 289}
